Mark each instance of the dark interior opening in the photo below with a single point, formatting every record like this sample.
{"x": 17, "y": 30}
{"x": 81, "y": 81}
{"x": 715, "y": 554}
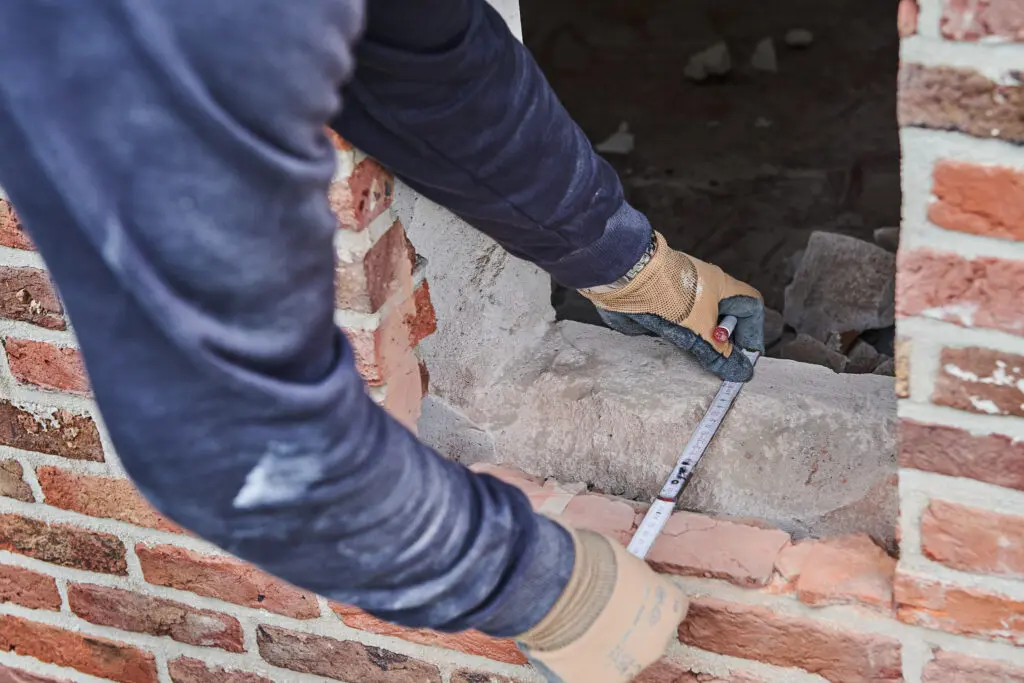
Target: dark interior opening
{"x": 739, "y": 166}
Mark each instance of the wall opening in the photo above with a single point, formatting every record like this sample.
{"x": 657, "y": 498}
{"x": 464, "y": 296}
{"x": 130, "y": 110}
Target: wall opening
{"x": 753, "y": 127}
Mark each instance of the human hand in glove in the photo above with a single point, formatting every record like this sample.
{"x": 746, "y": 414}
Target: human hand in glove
{"x": 680, "y": 298}
{"x": 615, "y": 617}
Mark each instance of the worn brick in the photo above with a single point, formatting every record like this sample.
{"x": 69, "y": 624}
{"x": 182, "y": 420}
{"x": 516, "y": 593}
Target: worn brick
{"x": 699, "y": 545}
{"x": 188, "y": 670}
{"x": 50, "y": 430}
{"x": 61, "y": 544}
{"x": 224, "y": 578}
{"x": 980, "y": 292}
{"x": 992, "y": 458}
{"x": 363, "y": 196}
{"x": 109, "y": 497}
{"x": 980, "y": 19}
{"x": 973, "y": 540}
{"x": 27, "y": 295}
{"x": 906, "y": 18}
{"x": 423, "y": 322}
{"x": 11, "y": 233}
{"x": 930, "y": 603}
{"x": 28, "y": 588}
{"x": 130, "y": 611}
{"x": 902, "y": 367}
{"x": 383, "y": 273}
{"x": 47, "y": 366}
{"x": 980, "y": 381}
{"x": 99, "y": 657}
{"x": 978, "y": 199}
{"x": 759, "y": 633}
{"x": 345, "y": 660}
{"x": 953, "y": 667}
{"x": 667, "y": 671}
{"x": 964, "y": 100}
{"x": 470, "y": 642}
{"x": 383, "y": 352}
{"x": 11, "y": 483}
{"x": 337, "y": 141}
{"x": 847, "y": 569}
{"x": 603, "y": 514}
{"x": 470, "y": 676}
{"x": 404, "y": 396}
{"x": 11, "y": 675}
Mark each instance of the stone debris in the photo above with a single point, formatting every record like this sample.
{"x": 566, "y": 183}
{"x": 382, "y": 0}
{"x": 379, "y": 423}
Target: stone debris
{"x": 888, "y": 238}
{"x": 799, "y": 37}
{"x": 807, "y": 349}
{"x": 619, "y": 142}
{"x": 764, "y": 58}
{"x": 842, "y": 284}
{"x": 762, "y": 122}
{"x": 863, "y": 358}
{"x": 714, "y": 61}
{"x": 886, "y": 367}
{"x": 773, "y": 326}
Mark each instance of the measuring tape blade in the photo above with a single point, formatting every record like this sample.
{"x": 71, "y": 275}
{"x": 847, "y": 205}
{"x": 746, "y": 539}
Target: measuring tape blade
{"x": 661, "y": 509}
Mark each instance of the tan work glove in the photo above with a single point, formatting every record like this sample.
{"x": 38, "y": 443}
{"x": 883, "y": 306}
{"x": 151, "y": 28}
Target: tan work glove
{"x": 681, "y": 298}
{"x": 615, "y": 618}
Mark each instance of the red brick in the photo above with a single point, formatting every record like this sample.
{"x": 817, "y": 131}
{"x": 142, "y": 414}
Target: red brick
{"x": 47, "y": 366}
{"x": 27, "y": 295}
{"x": 927, "y": 602}
{"x": 224, "y": 578}
{"x": 345, "y": 660}
{"x": 61, "y": 544}
{"x": 423, "y": 322}
{"x": 977, "y": 199}
{"x": 993, "y": 458}
{"x": 404, "y": 396}
{"x": 469, "y": 676}
{"x": 130, "y": 611}
{"x": 99, "y": 657}
{"x": 844, "y": 570}
{"x": 902, "y": 363}
{"x": 981, "y": 292}
{"x": 953, "y": 667}
{"x": 699, "y": 545}
{"x": 337, "y": 141}
{"x": 964, "y": 100}
{"x": 980, "y": 381}
{"x": 764, "y": 635}
{"x": 107, "y": 497}
{"x": 385, "y": 272}
{"x": 188, "y": 670}
{"x": 11, "y": 233}
{"x": 10, "y": 675}
{"x": 906, "y": 18}
{"x": 667, "y": 671}
{"x": 470, "y": 642}
{"x": 11, "y": 483}
{"x": 363, "y": 196}
{"x": 603, "y": 514}
{"x": 383, "y": 352}
{"x": 56, "y": 432}
{"x": 28, "y": 589}
{"x": 977, "y": 19}
{"x": 973, "y": 540}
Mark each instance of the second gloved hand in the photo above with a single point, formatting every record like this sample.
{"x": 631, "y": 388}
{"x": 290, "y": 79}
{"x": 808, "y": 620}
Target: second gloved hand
{"x": 681, "y": 299}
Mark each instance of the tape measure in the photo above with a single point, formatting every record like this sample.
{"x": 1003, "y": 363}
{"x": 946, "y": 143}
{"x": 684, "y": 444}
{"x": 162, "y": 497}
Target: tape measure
{"x": 663, "y": 506}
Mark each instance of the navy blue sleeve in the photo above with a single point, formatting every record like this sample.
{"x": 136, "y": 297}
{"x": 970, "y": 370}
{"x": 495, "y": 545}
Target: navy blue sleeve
{"x": 168, "y": 159}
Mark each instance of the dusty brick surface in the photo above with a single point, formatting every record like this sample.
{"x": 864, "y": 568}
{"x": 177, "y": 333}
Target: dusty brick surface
{"x": 384, "y": 272}
{"x": 703, "y": 546}
{"x": 11, "y": 675}
{"x": 973, "y": 540}
{"x": 363, "y": 196}
{"x": 759, "y": 633}
{"x": 666, "y": 671}
{"x": 26, "y": 294}
{"x": 980, "y": 381}
{"x": 404, "y": 397}
{"x": 99, "y": 657}
{"x": 470, "y": 676}
{"x": 53, "y": 431}
{"x": 61, "y": 544}
{"x": 846, "y": 570}
{"x": 47, "y": 366}
{"x": 979, "y": 19}
{"x": 993, "y": 458}
{"x": 342, "y": 660}
{"x": 12, "y": 485}
{"x": 423, "y": 322}
{"x": 188, "y": 670}
{"x": 953, "y": 667}
{"x": 28, "y": 588}
{"x": 95, "y": 496}
{"x": 977, "y": 199}
{"x": 981, "y": 292}
{"x": 614, "y": 518}
{"x": 130, "y": 611}
{"x": 964, "y": 100}
{"x": 224, "y": 578}
{"x": 930, "y": 603}
{"x": 470, "y": 642}
{"x": 11, "y": 233}
{"x": 906, "y": 18}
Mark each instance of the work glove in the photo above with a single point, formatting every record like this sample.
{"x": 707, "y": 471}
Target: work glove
{"x": 681, "y": 299}
{"x": 615, "y": 617}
